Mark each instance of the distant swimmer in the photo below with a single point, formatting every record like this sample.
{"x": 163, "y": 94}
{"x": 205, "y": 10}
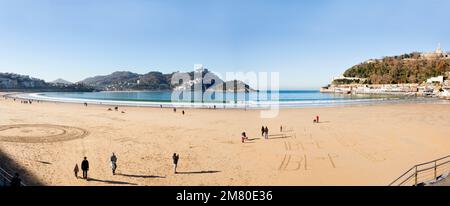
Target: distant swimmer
{"x": 76, "y": 170}
{"x": 175, "y": 158}
{"x": 85, "y": 168}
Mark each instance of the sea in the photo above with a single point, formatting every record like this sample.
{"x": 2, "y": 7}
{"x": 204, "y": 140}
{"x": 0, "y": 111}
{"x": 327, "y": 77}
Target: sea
{"x": 252, "y": 100}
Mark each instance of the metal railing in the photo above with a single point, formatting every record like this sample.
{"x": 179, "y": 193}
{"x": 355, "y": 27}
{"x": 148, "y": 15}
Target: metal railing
{"x": 5, "y": 178}
{"x": 423, "y": 172}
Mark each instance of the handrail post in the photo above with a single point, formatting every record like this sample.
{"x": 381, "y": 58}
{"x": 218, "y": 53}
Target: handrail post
{"x": 416, "y": 177}
{"x": 435, "y": 168}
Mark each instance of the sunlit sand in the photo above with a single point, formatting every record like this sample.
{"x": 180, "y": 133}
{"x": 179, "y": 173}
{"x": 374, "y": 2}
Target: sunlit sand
{"x": 357, "y": 145}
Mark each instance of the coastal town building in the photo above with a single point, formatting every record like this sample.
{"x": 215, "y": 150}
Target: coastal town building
{"x": 436, "y": 80}
{"x": 342, "y": 78}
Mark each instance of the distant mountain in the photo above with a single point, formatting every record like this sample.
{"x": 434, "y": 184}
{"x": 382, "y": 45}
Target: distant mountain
{"x": 17, "y": 82}
{"x": 61, "y": 81}
{"x": 129, "y": 81}
{"x": 114, "y": 78}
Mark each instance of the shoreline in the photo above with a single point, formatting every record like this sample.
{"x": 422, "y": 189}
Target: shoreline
{"x": 394, "y": 99}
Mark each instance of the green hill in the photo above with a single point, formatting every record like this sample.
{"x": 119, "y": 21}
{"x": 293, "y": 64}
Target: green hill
{"x": 407, "y": 68}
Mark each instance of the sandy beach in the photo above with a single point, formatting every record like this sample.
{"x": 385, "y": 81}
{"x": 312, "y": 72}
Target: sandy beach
{"x": 355, "y": 145}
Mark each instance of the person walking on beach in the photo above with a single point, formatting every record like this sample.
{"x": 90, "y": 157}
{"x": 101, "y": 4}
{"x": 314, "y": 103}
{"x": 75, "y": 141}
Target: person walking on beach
{"x": 281, "y": 128}
{"x": 75, "y": 170}
{"x": 113, "y": 163}
{"x": 182, "y": 112}
{"x": 244, "y": 137}
{"x": 263, "y": 130}
{"x": 85, "y": 168}
{"x": 317, "y": 119}
{"x": 175, "y": 158}
{"x": 174, "y": 109}
{"x": 15, "y": 181}
{"x": 266, "y": 132}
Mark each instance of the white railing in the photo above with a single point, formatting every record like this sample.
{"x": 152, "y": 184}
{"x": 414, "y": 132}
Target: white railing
{"x": 421, "y": 173}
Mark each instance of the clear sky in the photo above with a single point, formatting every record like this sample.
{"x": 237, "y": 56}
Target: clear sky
{"x": 308, "y": 42}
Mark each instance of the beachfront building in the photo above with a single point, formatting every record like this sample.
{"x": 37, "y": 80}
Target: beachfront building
{"x": 436, "y": 80}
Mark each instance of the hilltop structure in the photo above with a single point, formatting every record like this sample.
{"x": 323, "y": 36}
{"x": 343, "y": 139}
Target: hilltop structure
{"x": 438, "y": 53}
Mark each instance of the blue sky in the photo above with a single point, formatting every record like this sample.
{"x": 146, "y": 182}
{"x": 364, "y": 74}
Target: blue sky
{"x": 308, "y": 42}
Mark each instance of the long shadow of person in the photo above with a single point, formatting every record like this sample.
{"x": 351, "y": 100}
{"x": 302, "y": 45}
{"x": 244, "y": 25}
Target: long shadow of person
{"x": 110, "y": 181}
{"x": 139, "y": 176}
{"x": 200, "y": 172}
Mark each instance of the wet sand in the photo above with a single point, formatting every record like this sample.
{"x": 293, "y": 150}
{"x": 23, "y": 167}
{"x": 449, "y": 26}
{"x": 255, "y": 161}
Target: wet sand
{"x": 356, "y": 145}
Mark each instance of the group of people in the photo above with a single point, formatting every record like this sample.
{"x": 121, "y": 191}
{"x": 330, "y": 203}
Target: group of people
{"x": 113, "y": 163}
{"x": 264, "y": 133}
{"x": 316, "y": 120}
{"x": 26, "y": 102}
{"x": 175, "y": 110}
{"x": 115, "y": 109}
{"x": 84, "y": 168}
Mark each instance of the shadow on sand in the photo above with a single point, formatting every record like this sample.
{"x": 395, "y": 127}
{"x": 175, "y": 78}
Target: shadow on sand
{"x": 279, "y": 136}
{"x": 322, "y": 122}
{"x": 110, "y": 181}
{"x": 12, "y": 167}
{"x": 198, "y": 172}
{"x": 139, "y": 176}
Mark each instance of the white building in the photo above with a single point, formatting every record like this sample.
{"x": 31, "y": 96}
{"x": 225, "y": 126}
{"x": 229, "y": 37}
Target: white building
{"x": 438, "y": 79}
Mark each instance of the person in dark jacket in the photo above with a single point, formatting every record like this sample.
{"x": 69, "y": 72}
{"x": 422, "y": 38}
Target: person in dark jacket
{"x": 113, "y": 163}
{"x": 262, "y": 131}
{"x": 15, "y": 181}
{"x": 175, "y": 158}
{"x": 85, "y": 168}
